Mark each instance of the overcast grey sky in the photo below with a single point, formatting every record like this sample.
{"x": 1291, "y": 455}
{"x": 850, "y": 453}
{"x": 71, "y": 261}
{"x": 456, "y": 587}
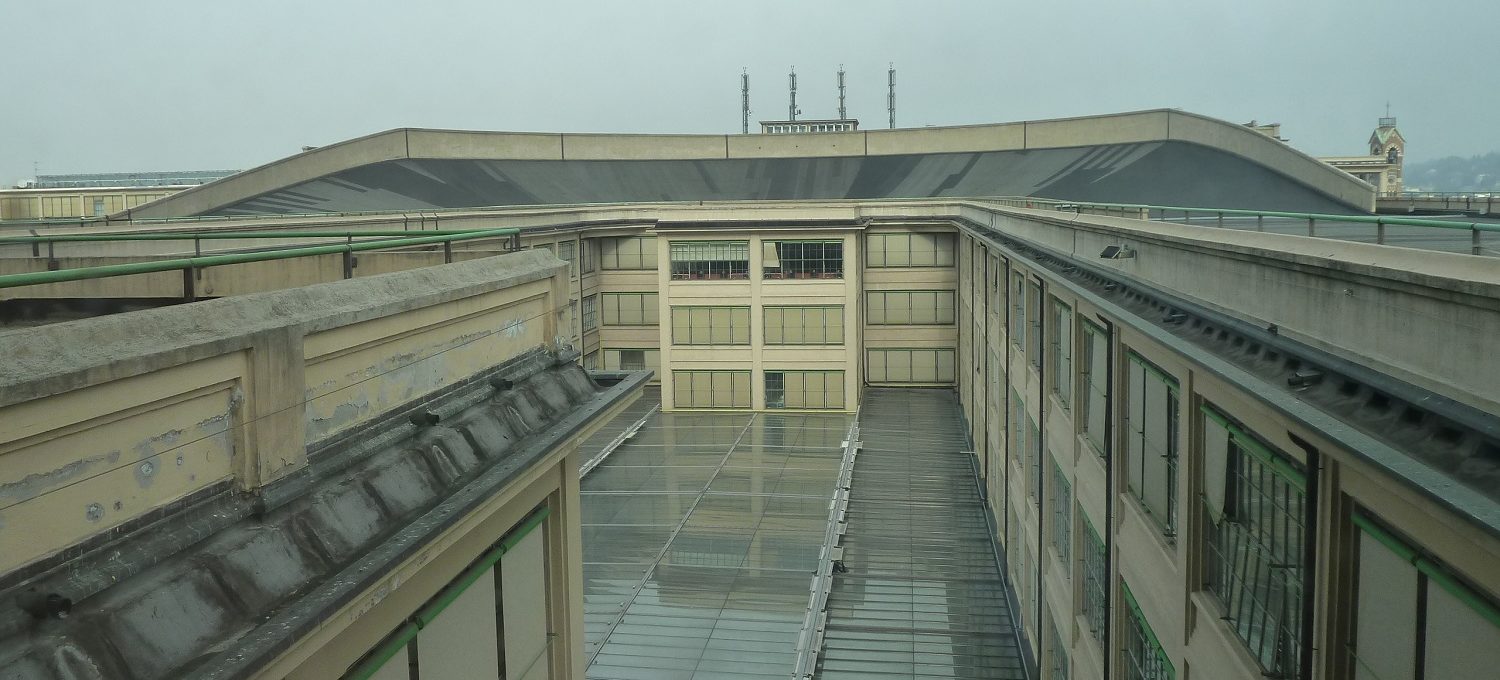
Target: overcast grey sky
{"x": 106, "y": 86}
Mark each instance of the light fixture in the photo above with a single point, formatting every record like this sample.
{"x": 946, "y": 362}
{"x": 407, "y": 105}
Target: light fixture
{"x": 1117, "y": 253}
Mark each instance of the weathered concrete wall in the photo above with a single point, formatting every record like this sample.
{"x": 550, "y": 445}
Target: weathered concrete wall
{"x": 1389, "y": 308}
{"x": 104, "y": 420}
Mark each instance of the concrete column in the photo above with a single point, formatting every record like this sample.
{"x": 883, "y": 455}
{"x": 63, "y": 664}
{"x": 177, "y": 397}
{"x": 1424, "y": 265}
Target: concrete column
{"x": 272, "y": 441}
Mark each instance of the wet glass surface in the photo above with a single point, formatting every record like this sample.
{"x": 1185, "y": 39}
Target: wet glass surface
{"x": 700, "y": 536}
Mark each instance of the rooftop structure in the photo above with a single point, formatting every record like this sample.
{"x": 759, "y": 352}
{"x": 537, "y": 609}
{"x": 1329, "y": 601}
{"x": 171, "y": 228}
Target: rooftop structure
{"x": 934, "y": 436}
{"x": 789, "y": 127}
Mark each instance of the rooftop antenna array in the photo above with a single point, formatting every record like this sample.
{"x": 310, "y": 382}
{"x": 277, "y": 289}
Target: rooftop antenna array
{"x": 841, "y": 93}
{"x": 890, "y": 97}
{"x": 745, "y": 101}
{"x": 791, "y": 108}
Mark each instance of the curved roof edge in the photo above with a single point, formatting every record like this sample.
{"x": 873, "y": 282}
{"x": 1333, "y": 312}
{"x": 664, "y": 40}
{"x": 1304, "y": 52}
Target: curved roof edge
{"x": 1158, "y": 125}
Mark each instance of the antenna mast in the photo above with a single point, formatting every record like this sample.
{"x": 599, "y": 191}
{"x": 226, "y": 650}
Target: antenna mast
{"x": 890, "y": 97}
{"x": 745, "y": 101}
{"x": 791, "y": 108}
{"x": 841, "y": 93}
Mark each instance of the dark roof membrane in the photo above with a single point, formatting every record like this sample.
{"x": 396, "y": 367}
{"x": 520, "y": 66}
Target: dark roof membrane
{"x": 1159, "y": 173}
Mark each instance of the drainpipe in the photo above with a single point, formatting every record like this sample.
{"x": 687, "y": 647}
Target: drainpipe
{"x": 1041, "y": 466}
{"x": 1109, "y": 489}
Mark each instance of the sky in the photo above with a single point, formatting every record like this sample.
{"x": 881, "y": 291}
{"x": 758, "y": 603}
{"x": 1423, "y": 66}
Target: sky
{"x": 103, "y": 86}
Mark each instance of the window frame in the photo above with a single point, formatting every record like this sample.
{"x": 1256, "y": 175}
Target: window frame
{"x": 783, "y": 312}
{"x": 824, "y": 270}
{"x": 708, "y": 260}
{"x": 706, "y": 321}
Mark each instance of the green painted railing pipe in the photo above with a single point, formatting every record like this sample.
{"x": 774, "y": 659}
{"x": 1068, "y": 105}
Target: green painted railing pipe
{"x": 104, "y": 271}
{"x": 1321, "y": 217}
{"x": 225, "y": 235}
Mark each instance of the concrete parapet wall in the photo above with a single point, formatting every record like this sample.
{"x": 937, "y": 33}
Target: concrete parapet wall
{"x": 1388, "y": 308}
{"x": 105, "y": 420}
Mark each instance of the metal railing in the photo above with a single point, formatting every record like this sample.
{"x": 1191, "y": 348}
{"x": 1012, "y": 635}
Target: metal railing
{"x": 189, "y": 265}
{"x": 1217, "y": 215}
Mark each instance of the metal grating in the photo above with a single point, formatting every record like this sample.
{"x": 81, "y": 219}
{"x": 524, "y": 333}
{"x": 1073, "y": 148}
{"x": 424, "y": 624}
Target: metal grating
{"x": 922, "y": 597}
{"x": 700, "y": 534}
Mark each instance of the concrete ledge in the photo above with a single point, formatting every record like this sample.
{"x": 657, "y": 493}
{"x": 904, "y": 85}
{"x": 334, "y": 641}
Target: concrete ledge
{"x": 105, "y": 421}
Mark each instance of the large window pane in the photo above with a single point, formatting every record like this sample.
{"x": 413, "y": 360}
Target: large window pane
{"x": 1253, "y": 533}
{"x": 802, "y": 259}
{"x": 1151, "y": 441}
{"x": 710, "y": 325}
{"x": 709, "y": 260}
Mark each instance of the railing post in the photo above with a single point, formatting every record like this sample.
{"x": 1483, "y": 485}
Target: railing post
{"x": 1221, "y": 219}
{"x": 349, "y": 263}
{"x": 447, "y": 252}
{"x": 52, "y": 264}
{"x": 1380, "y": 231}
{"x": 1312, "y": 229}
{"x": 1260, "y": 222}
{"x": 1475, "y": 246}
{"x": 189, "y": 290}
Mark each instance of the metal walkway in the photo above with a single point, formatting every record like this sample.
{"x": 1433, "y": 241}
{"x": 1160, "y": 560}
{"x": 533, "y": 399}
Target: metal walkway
{"x": 700, "y": 536}
{"x": 923, "y": 597}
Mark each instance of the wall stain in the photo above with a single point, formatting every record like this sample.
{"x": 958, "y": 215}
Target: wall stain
{"x": 39, "y": 483}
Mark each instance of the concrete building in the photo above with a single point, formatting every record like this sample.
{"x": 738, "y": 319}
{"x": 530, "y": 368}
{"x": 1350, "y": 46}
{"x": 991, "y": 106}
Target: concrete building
{"x": 95, "y": 195}
{"x": 1166, "y": 450}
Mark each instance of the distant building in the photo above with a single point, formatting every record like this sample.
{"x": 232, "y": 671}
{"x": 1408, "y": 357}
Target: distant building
{"x": 95, "y": 194}
{"x": 792, "y": 127}
{"x": 1382, "y": 168}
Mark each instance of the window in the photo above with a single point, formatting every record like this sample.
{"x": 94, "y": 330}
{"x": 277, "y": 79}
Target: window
{"x": 909, "y": 250}
{"x": 1144, "y": 657}
{"x": 492, "y": 623}
{"x": 710, "y": 260}
{"x": 805, "y": 389}
{"x": 1061, "y": 352}
{"x": 804, "y": 325}
{"x": 1019, "y": 430}
{"x": 630, "y": 309}
{"x": 1062, "y": 519}
{"x": 1034, "y": 313}
{"x": 1033, "y": 458}
{"x": 711, "y": 389}
{"x": 1413, "y": 618}
{"x": 1095, "y": 375}
{"x": 98, "y": 207}
{"x": 1094, "y": 593}
{"x": 1151, "y": 442}
{"x": 710, "y": 325}
{"x": 802, "y": 259}
{"x": 590, "y": 312}
{"x": 586, "y": 255}
{"x": 1253, "y": 510}
{"x": 1057, "y": 652}
{"x": 567, "y": 251}
{"x": 1018, "y": 311}
{"x": 591, "y": 360}
{"x": 627, "y": 252}
{"x": 924, "y": 366}
{"x": 632, "y": 359}
{"x": 909, "y": 307}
